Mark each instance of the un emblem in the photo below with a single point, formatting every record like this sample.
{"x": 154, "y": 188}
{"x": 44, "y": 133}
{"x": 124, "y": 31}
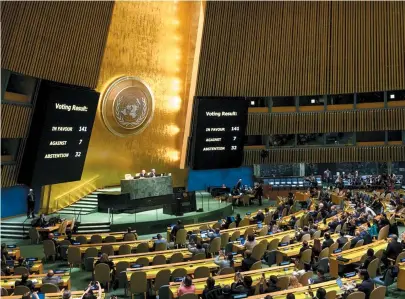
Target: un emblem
{"x": 127, "y": 106}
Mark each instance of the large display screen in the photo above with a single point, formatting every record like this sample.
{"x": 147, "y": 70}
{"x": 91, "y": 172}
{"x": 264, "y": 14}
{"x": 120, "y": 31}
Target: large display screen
{"x": 59, "y": 135}
{"x": 218, "y": 133}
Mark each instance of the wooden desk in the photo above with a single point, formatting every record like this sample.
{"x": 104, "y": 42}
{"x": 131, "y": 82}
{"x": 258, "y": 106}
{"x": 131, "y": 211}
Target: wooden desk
{"x": 14, "y": 252}
{"x": 131, "y": 258}
{"x": 286, "y": 219}
{"x": 37, "y": 267}
{"x": 302, "y": 292}
{"x": 302, "y": 196}
{"x": 336, "y": 199}
{"x": 190, "y": 267}
{"x": 75, "y": 295}
{"x": 8, "y": 282}
{"x": 50, "y": 229}
{"x": 401, "y": 277}
{"x": 294, "y": 249}
{"x": 354, "y": 255}
{"x": 324, "y": 227}
{"x": 119, "y": 236}
{"x": 115, "y": 245}
{"x": 228, "y": 279}
{"x": 237, "y": 246}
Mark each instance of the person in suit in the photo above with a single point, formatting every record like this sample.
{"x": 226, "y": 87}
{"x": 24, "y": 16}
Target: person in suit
{"x": 365, "y": 236}
{"x": 327, "y": 242}
{"x": 333, "y": 224}
{"x": 394, "y": 248}
{"x": 30, "y": 204}
{"x": 25, "y": 282}
{"x": 51, "y": 278}
{"x": 305, "y": 231}
{"x": 210, "y": 288}
{"x": 152, "y": 173}
{"x": 367, "y": 285}
{"x": 159, "y": 240}
{"x": 369, "y": 259}
{"x": 356, "y": 238}
{"x": 238, "y": 184}
{"x": 304, "y": 247}
{"x": 342, "y": 240}
{"x": 176, "y": 228}
{"x": 259, "y": 193}
{"x": 237, "y": 220}
{"x": 105, "y": 260}
{"x": 129, "y": 233}
{"x": 271, "y": 285}
{"x": 259, "y": 216}
{"x": 143, "y": 174}
{"x": 248, "y": 261}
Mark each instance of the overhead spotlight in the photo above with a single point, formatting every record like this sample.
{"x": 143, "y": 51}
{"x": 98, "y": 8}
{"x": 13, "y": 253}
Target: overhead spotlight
{"x": 312, "y": 101}
{"x": 252, "y": 103}
{"x": 392, "y": 96}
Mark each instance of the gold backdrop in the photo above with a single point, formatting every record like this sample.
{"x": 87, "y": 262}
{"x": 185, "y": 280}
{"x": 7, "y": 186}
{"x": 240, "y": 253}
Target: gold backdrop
{"x": 154, "y": 41}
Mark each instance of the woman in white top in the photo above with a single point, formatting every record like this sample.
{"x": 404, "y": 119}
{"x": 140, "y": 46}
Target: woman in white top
{"x": 250, "y": 243}
{"x": 225, "y": 262}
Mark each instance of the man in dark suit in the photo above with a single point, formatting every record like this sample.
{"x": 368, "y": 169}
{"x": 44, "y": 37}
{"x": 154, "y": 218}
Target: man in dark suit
{"x": 342, "y": 240}
{"x": 333, "y": 224}
{"x": 304, "y": 247}
{"x": 248, "y": 261}
{"x": 369, "y": 259}
{"x": 354, "y": 241}
{"x": 394, "y": 248}
{"x": 30, "y": 204}
{"x": 176, "y": 228}
{"x": 152, "y": 173}
{"x": 327, "y": 242}
{"x": 367, "y": 285}
{"x": 305, "y": 231}
{"x": 259, "y": 193}
{"x": 25, "y": 282}
{"x": 143, "y": 174}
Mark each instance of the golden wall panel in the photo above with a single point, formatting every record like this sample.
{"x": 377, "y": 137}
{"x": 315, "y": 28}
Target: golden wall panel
{"x": 149, "y": 40}
{"x": 326, "y": 122}
{"x": 61, "y": 41}
{"x": 327, "y": 154}
{"x": 273, "y": 48}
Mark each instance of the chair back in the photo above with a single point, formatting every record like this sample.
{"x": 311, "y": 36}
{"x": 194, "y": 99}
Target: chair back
{"x": 176, "y": 258}
{"x": 216, "y": 225}
{"x": 284, "y": 212}
{"x": 189, "y": 296}
{"x": 232, "y": 225}
{"x": 304, "y": 278}
{"x": 256, "y": 266}
{"x": 204, "y": 227}
{"x": 338, "y": 229}
{"x": 21, "y": 290}
{"x": 224, "y": 239}
{"x": 81, "y": 239}
{"x": 121, "y": 266}
{"x": 139, "y": 283}
{"x": 235, "y": 236}
{"x": 124, "y": 249}
{"x": 159, "y": 259}
{"x": 91, "y": 252}
{"x": 49, "y": 288}
{"x": 383, "y": 234}
{"x": 181, "y": 236}
{"x": 102, "y": 273}
{"x": 378, "y": 292}
{"x": 34, "y": 235}
{"x": 306, "y": 237}
{"x": 324, "y": 253}
{"x": 160, "y": 246}
{"x": 108, "y": 249}
{"x": 264, "y": 231}
{"x": 359, "y": 243}
{"x": 305, "y": 258}
{"x": 283, "y": 282}
{"x": 215, "y": 245}
{"x": 267, "y": 219}
{"x": 363, "y": 258}
{"x": 96, "y": 239}
{"x": 317, "y": 234}
{"x": 346, "y": 246}
{"x": 198, "y": 256}
{"x": 165, "y": 292}
{"x": 202, "y": 272}
{"x": 144, "y": 261}
{"x": 273, "y": 245}
{"x": 331, "y": 295}
{"x": 110, "y": 239}
{"x": 333, "y": 247}
{"x": 4, "y": 292}
{"x": 21, "y": 270}
{"x": 258, "y": 251}
{"x": 142, "y": 248}
{"x": 227, "y": 270}
{"x": 356, "y": 295}
{"x": 162, "y": 278}
{"x": 244, "y": 222}
{"x": 399, "y": 258}
{"x": 178, "y": 272}
{"x": 324, "y": 264}
{"x": 248, "y": 231}
{"x": 372, "y": 268}
{"x": 129, "y": 237}
{"x": 286, "y": 239}
{"x": 74, "y": 255}
{"x": 49, "y": 248}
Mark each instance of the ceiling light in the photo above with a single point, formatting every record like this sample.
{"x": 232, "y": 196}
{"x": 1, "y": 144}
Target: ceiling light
{"x": 392, "y": 96}
{"x": 252, "y": 103}
{"x": 312, "y": 101}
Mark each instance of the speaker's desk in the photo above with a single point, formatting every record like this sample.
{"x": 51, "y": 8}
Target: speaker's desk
{"x": 147, "y": 187}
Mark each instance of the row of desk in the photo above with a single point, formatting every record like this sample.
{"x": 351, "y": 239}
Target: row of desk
{"x": 8, "y": 282}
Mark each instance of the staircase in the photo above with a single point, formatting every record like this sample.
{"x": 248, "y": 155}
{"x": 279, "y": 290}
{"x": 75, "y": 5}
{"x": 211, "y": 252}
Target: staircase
{"x": 86, "y": 205}
{"x": 93, "y": 227}
{"x": 15, "y": 230}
